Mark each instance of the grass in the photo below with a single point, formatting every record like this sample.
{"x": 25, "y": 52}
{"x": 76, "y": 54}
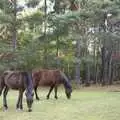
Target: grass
{"x": 84, "y": 105}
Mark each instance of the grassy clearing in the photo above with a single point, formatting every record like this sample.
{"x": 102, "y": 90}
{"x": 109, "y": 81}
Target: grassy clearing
{"x": 84, "y": 105}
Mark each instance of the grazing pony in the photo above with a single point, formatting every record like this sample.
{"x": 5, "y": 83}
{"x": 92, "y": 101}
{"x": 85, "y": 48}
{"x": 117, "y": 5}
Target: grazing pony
{"x": 51, "y": 78}
{"x": 20, "y": 81}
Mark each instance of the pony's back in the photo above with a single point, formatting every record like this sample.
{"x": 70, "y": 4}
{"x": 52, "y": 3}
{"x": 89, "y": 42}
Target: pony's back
{"x": 13, "y": 79}
{"x": 47, "y": 77}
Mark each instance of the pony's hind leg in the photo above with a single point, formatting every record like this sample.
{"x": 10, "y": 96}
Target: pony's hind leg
{"x": 36, "y": 95}
{"x": 51, "y": 88}
{"x": 1, "y": 85}
{"x": 18, "y": 101}
{"x": 4, "y": 98}
{"x": 55, "y": 89}
{"x": 19, "y": 105}
{"x": 1, "y": 89}
{"x": 21, "y": 96}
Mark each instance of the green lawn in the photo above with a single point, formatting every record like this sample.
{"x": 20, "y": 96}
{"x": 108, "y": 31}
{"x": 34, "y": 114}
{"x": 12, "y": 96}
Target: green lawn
{"x": 84, "y": 105}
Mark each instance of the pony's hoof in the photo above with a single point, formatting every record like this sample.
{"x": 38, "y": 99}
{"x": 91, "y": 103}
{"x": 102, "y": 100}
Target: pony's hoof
{"x": 37, "y": 99}
{"x": 56, "y": 97}
{"x": 47, "y": 97}
{"x": 19, "y": 110}
{"x": 30, "y": 110}
{"x": 5, "y": 109}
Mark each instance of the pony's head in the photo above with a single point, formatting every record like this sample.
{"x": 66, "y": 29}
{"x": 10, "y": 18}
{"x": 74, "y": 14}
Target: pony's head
{"x": 29, "y": 99}
{"x": 68, "y": 89}
{"x": 67, "y": 85}
{"x": 29, "y": 89}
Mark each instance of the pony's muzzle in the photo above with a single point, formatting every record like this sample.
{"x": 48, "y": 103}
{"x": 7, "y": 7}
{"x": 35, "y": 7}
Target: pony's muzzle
{"x": 29, "y": 104}
{"x": 68, "y": 96}
{"x": 29, "y": 110}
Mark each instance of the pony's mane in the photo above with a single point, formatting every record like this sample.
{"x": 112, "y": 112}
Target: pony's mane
{"x": 28, "y": 81}
{"x": 66, "y": 80}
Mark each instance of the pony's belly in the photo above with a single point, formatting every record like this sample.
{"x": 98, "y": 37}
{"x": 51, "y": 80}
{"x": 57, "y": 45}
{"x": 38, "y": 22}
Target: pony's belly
{"x": 14, "y": 84}
{"x": 46, "y": 83}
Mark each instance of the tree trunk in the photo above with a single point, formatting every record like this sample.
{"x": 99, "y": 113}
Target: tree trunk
{"x": 112, "y": 74}
{"x": 87, "y": 80}
{"x": 57, "y": 53}
{"x": 110, "y": 69}
{"x": 14, "y": 37}
{"x": 94, "y": 61}
{"x": 45, "y": 61}
{"x": 77, "y": 65}
{"x": 57, "y": 6}
{"x": 104, "y": 66}
{"x": 96, "y": 75}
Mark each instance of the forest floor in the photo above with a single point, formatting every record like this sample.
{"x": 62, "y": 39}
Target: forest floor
{"x": 91, "y": 103}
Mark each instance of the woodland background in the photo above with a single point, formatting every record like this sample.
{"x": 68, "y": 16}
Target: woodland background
{"x": 79, "y": 37}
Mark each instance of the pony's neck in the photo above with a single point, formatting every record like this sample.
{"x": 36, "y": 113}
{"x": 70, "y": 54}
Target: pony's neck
{"x": 65, "y": 80}
{"x": 28, "y": 82}
{"x": 65, "y": 84}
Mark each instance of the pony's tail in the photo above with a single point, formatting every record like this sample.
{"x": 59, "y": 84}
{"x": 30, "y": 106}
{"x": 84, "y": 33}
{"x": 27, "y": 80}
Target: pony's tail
{"x": 2, "y": 84}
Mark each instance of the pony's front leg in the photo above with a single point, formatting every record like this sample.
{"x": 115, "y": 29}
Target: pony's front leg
{"x": 19, "y": 105}
{"x": 36, "y": 95}
{"x": 21, "y": 99}
{"x": 55, "y": 89}
{"x": 4, "y": 98}
{"x": 51, "y": 88}
{"x": 18, "y": 102}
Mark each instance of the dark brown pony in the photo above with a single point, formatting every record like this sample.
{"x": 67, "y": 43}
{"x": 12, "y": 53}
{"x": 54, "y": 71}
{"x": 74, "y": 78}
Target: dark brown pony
{"x": 20, "y": 81}
{"x": 51, "y": 78}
